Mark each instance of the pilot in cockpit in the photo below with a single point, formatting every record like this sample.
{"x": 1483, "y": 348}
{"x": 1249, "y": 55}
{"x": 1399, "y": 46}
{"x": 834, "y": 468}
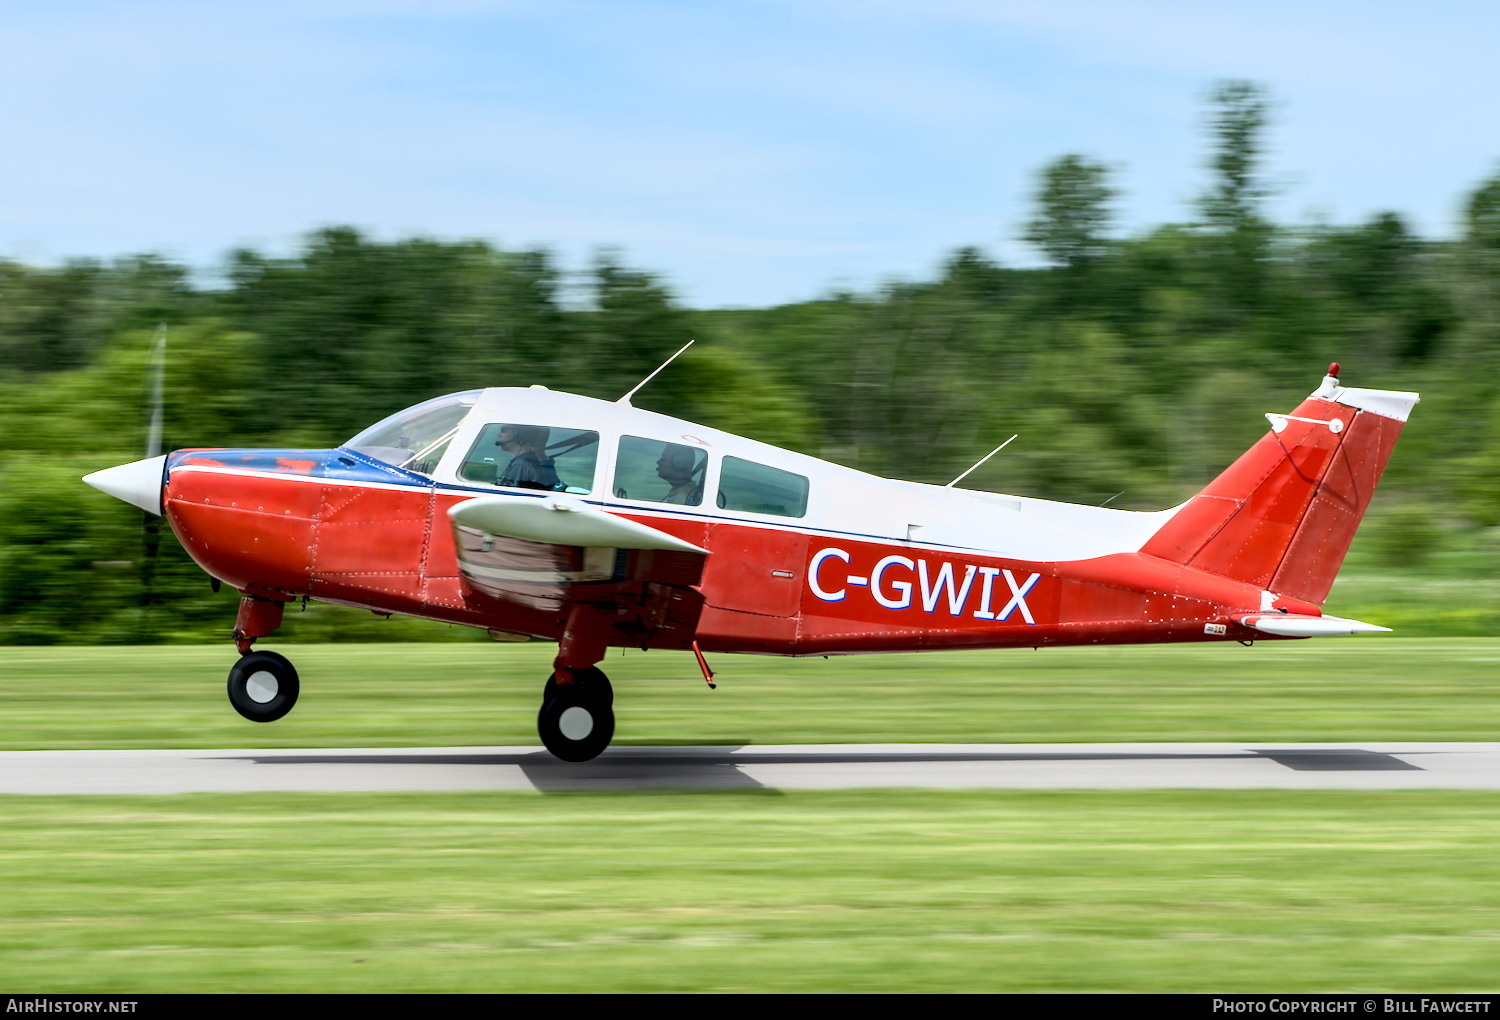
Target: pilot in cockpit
{"x": 529, "y": 467}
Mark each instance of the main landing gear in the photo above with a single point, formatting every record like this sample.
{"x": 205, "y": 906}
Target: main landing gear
{"x": 577, "y": 719}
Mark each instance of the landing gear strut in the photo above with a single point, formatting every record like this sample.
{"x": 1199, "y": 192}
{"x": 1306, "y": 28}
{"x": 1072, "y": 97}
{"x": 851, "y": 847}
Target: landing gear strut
{"x": 577, "y": 720}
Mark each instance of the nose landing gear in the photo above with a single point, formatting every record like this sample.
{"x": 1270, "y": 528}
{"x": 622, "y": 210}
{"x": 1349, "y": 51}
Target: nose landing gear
{"x": 263, "y": 686}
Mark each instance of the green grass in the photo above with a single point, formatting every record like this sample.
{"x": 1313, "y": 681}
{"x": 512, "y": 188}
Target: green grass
{"x": 735, "y": 890}
{"x": 879, "y": 891}
{"x": 1377, "y": 688}
{"x": 1423, "y": 603}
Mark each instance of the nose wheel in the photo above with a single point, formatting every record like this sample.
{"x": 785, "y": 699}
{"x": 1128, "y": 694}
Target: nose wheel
{"x": 263, "y": 686}
{"x": 577, "y": 720}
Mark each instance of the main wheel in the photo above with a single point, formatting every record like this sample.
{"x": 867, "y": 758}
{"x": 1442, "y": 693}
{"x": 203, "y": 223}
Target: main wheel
{"x": 263, "y": 686}
{"x": 589, "y": 683}
{"x": 577, "y": 720}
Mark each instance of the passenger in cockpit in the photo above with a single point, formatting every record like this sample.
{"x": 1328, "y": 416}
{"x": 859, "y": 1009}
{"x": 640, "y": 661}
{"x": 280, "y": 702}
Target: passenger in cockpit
{"x": 529, "y": 467}
{"x": 676, "y": 468}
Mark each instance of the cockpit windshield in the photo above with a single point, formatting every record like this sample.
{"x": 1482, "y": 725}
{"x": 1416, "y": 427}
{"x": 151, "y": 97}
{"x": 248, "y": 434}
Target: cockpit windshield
{"x": 416, "y": 437}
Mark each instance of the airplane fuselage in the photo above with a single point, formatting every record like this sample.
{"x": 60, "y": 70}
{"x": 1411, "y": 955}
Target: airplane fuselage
{"x": 549, "y": 515}
{"x": 275, "y": 525}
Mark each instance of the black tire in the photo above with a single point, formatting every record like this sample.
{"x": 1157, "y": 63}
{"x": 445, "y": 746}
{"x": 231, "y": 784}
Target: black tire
{"x": 263, "y": 686}
{"x": 577, "y": 720}
{"x": 590, "y": 683}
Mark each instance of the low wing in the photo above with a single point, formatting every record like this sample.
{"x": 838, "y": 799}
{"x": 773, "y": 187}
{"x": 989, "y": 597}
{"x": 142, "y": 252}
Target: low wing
{"x": 546, "y": 554}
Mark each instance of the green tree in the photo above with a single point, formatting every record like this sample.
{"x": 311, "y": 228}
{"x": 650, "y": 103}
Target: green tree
{"x": 1073, "y": 211}
{"x": 635, "y": 326}
{"x": 1240, "y": 235}
{"x": 49, "y": 318}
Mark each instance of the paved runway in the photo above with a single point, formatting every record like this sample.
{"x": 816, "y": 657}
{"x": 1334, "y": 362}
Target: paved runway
{"x": 1373, "y": 766}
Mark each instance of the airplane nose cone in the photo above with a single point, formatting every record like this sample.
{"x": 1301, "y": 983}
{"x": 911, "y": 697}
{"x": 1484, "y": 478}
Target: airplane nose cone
{"x": 138, "y": 482}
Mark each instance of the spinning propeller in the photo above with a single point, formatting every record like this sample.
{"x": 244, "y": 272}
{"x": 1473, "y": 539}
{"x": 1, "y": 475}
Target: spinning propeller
{"x": 156, "y": 370}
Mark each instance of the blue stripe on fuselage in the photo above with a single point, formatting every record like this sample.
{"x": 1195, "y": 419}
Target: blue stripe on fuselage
{"x": 351, "y": 466}
{"x": 341, "y": 464}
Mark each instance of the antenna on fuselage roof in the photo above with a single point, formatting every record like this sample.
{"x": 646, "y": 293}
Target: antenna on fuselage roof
{"x": 981, "y": 460}
{"x": 626, "y": 398}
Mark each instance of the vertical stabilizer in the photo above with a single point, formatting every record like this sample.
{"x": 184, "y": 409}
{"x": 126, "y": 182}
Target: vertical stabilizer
{"x": 1282, "y": 515}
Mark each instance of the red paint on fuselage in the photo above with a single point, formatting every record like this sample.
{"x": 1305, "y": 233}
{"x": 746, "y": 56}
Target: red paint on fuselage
{"x": 770, "y": 589}
{"x": 866, "y": 596}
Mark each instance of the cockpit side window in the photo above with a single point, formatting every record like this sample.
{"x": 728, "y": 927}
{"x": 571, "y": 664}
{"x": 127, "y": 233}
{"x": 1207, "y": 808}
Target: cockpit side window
{"x": 761, "y": 489}
{"x": 660, "y": 472}
{"x": 542, "y": 457}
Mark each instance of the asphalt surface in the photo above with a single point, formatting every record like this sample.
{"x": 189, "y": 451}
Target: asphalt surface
{"x": 1373, "y": 766}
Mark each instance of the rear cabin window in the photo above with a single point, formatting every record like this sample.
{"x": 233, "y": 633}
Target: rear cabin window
{"x": 758, "y": 488}
{"x": 540, "y": 457}
{"x": 660, "y": 472}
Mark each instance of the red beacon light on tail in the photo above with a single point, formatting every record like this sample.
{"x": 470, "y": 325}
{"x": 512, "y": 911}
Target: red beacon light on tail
{"x": 533, "y": 513}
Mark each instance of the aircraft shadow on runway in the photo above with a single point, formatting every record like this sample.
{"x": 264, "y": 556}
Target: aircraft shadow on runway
{"x": 719, "y": 767}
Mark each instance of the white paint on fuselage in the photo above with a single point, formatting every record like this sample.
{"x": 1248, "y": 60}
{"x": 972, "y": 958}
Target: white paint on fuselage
{"x": 841, "y": 500}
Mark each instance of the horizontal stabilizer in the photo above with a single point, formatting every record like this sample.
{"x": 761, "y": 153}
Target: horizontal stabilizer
{"x": 562, "y": 520}
{"x": 1295, "y": 625}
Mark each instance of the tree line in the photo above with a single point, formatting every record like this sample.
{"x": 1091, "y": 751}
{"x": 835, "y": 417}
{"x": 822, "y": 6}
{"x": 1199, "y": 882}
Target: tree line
{"x": 1133, "y": 368}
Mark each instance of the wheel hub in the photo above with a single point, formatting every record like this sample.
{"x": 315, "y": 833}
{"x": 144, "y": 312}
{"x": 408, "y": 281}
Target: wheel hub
{"x": 262, "y": 687}
{"x": 576, "y": 723}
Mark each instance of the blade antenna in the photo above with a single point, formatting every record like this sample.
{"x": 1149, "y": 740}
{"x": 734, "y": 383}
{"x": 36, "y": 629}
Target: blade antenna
{"x": 626, "y": 398}
{"x": 980, "y": 461}
{"x": 156, "y": 370}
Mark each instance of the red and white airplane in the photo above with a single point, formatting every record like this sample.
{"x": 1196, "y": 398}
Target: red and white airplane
{"x": 534, "y": 513}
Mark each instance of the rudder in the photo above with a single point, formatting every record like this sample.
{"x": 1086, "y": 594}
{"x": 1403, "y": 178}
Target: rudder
{"x": 1282, "y": 516}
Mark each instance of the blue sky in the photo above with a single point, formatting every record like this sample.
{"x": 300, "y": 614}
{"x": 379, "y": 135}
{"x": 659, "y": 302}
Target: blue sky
{"x": 751, "y": 152}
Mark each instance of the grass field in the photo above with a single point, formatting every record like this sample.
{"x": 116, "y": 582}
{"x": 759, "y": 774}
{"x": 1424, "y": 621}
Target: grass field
{"x": 864, "y": 892}
{"x": 868, "y": 891}
{"x": 1377, "y": 688}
